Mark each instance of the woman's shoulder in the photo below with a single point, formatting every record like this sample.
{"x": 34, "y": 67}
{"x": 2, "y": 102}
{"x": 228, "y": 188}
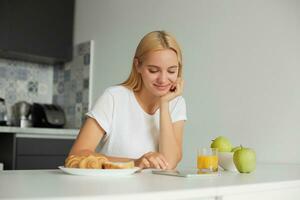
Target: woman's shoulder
{"x": 177, "y": 101}
{"x": 117, "y": 90}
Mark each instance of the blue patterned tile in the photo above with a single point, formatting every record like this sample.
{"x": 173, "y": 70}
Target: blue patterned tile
{"x": 58, "y": 99}
{"x": 84, "y": 108}
{"x": 82, "y": 48}
{"x": 55, "y": 76}
{"x": 78, "y": 97}
{"x": 71, "y": 110}
{"x": 55, "y": 99}
{"x": 85, "y": 96}
{"x": 73, "y": 85}
{"x": 3, "y": 71}
{"x": 32, "y": 87}
{"x": 11, "y": 73}
{"x": 78, "y": 109}
{"x": 67, "y": 75}
{"x": 86, "y": 59}
{"x": 43, "y": 89}
{"x": 21, "y": 74}
{"x": 86, "y": 83}
{"x": 2, "y": 85}
{"x": 67, "y": 85}
{"x": 60, "y": 88}
{"x": 10, "y": 97}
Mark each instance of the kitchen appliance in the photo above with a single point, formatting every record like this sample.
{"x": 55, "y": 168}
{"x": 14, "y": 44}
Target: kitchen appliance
{"x": 21, "y": 114}
{"x": 47, "y": 115}
{"x": 3, "y": 112}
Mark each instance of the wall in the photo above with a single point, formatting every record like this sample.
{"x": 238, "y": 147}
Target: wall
{"x": 241, "y": 62}
{"x": 25, "y": 81}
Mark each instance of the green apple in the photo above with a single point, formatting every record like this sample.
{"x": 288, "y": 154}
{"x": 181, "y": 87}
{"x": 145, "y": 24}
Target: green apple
{"x": 236, "y": 148}
{"x": 244, "y": 160}
{"x": 222, "y": 144}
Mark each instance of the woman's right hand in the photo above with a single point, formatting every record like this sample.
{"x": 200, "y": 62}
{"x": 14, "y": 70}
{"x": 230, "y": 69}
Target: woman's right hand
{"x": 175, "y": 91}
{"x": 151, "y": 160}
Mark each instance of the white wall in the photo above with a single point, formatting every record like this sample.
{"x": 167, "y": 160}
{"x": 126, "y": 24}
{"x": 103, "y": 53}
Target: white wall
{"x": 241, "y": 65}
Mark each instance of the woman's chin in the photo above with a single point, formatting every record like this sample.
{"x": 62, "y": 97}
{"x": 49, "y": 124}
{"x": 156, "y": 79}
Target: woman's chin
{"x": 160, "y": 93}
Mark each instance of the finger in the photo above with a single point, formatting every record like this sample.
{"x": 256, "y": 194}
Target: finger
{"x": 154, "y": 163}
{"x": 173, "y": 88}
{"x": 161, "y": 157}
{"x": 178, "y": 89}
{"x": 146, "y": 163}
{"x": 161, "y": 163}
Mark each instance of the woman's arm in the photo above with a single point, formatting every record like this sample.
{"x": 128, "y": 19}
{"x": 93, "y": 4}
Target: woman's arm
{"x": 88, "y": 138}
{"x": 170, "y": 139}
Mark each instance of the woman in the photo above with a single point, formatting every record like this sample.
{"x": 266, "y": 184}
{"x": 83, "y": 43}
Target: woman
{"x": 142, "y": 119}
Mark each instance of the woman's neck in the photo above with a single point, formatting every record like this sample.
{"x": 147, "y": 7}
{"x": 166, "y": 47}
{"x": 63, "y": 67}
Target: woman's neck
{"x": 147, "y": 101}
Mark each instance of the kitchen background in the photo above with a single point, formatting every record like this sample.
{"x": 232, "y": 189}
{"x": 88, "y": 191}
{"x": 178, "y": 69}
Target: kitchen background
{"x": 66, "y": 85}
{"x": 241, "y": 67}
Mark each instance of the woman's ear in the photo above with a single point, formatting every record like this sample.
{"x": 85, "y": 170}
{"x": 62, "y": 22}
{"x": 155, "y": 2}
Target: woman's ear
{"x": 137, "y": 65}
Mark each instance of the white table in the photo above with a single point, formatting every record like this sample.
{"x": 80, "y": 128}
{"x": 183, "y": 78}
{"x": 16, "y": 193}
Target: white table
{"x": 267, "y": 182}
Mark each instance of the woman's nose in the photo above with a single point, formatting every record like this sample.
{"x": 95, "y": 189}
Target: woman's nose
{"x": 162, "y": 77}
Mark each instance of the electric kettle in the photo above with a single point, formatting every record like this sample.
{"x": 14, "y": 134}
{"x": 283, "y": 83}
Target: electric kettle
{"x": 20, "y": 114}
{"x": 3, "y": 112}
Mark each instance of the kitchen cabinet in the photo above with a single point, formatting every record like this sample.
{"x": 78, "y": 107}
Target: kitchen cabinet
{"x": 36, "y": 153}
{"x": 33, "y": 153}
{"x": 39, "y": 31}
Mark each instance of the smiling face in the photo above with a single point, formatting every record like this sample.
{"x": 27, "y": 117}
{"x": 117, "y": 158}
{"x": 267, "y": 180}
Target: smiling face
{"x": 158, "y": 69}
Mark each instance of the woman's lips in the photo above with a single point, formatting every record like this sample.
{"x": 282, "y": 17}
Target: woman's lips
{"x": 162, "y": 87}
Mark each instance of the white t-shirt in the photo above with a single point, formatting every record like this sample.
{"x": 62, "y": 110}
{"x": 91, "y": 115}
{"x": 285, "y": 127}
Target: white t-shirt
{"x": 130, "y": 131}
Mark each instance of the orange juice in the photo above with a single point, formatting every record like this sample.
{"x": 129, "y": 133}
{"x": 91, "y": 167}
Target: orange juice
{"x": 208, "y": 162}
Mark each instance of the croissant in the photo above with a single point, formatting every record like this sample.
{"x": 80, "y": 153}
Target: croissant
{"x": 102, "y": 160}
{"x": 85, "y": 162}
{"x": 90, "y": 162}
{"x": 73, "y": 161}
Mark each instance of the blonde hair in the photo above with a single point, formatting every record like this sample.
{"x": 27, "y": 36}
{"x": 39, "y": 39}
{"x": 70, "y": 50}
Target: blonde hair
{"x": 153, "y": 41}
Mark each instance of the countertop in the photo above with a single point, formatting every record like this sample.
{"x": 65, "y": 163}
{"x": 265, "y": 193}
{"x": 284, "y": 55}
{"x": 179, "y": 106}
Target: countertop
{"x": 272, "y": 180}
{"x": 40, "y": 132}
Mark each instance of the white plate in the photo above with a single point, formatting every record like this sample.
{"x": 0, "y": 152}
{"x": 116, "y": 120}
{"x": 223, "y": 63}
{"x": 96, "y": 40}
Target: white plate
{"x": 99, "y": 172}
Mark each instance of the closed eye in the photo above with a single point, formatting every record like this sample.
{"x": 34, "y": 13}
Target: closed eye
{"x": 153, "y": 71}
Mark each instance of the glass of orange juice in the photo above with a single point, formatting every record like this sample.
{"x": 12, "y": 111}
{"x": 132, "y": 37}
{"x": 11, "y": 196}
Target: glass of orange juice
{"x": 207, "y": 159}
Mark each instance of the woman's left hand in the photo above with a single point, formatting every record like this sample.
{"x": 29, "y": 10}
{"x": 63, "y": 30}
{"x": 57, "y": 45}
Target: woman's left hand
{"x": 175, "y": 91}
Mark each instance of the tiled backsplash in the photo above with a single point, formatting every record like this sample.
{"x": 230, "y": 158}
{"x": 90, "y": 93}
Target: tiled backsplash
{"x": 25, "y": 81}
{"x": 71, "y": 85}
{"x": 67, "y": 85}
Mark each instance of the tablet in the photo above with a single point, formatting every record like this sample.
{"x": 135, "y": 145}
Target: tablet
{"x": 186, "y": 173}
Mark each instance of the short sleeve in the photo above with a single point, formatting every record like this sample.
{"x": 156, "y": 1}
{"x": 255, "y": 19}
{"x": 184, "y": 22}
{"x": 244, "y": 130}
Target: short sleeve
{"x": 179, "y": 111}
{"x": 102, "y": 111}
